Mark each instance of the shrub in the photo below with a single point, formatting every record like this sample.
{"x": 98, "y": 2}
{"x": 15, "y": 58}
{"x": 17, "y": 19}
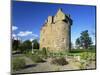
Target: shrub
{"x": 84, "y": 55}
{"x": 42, "y": 53}
{"x": 82, "y": 65}
{"x": 18, "y": 64}
{"x": 59, "y": 61}
{"x": 87, "y": 55}
{"x": 58, "y": 54}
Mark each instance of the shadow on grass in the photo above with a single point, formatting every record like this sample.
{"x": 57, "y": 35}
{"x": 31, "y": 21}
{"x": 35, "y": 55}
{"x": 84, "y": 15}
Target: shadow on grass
{"x": 81, "y": 51}
{"x": 31, "y": 65}
{"x": 76, "y": 51}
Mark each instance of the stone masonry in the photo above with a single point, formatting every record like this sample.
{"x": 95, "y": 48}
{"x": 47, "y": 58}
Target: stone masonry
{"x": 56, "y": 32}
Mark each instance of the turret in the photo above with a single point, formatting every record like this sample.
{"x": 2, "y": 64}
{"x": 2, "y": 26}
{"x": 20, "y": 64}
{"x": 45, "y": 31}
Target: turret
{"x": 61, "y": 16}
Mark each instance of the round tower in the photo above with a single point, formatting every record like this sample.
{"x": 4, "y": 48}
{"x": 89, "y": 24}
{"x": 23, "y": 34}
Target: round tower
{"x": 62, "y": 30}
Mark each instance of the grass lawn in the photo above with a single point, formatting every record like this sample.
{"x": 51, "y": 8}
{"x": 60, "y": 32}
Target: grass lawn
{"x": 84, "y": 54}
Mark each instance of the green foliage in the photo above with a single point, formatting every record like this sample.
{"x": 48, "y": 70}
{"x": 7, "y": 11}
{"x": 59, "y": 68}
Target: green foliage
{"x": 57, "y": 54}
{"x": 84, "y": 40}
{"x": 92, "y": 47}
{"x": 77, "y": 51}
{"x": 35, "y": 57}
{"x": 78, "y": 43}
{"x": 36, "y": 44}
{"x": 88, "y": 56}
{"x": 84, "y": 55}
{"x": 82, "y": 65}
{"x": 22, "y": 48}
{"x": 18, "y": 64}
{"x": 44, "y": 53}
{"x": 25, "y": 46}
{"x": 38, "y": 55}
{"x": 15, "y": 44}
{"x": 59, "y": 61}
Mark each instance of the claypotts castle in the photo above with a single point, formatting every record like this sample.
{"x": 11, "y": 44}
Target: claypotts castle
{"x": 55, "y": 35}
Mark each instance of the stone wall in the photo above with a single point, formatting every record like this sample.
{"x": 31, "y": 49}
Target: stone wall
{"x": 55, "y": 33}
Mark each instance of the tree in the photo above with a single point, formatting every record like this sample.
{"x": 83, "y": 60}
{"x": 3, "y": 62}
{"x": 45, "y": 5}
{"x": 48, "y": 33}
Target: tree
{"x": 25, "y": 46}
{"x": 15, "y": 44}
{"x": 84, "y": 40}
{"x": 78, "y": 43}
{"x": 36, "y": 44}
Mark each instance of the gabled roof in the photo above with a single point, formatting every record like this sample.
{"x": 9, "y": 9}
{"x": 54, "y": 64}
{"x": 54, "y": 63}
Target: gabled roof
{"x": 60, "y": 12}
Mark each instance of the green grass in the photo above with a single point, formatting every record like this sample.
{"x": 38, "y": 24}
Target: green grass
{"x": 44, "y": 54}
{"x": 36, "y": 57}
{"x": 78, "y": 51}
{"x": 85, "y": 55}
{"x": 18, "y": 63}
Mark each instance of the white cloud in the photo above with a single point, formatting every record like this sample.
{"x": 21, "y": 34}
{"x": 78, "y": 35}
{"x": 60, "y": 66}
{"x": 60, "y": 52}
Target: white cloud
{"x": 24, "y": 33}
{"x": 13, "y": 35}
{"x": 32, "y": 39}
{"x": 14, "y": 28}
{"x": 35, "y": 35}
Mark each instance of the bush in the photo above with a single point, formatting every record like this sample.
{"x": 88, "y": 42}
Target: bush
{"x": 18, "y": 64}
{"x": 84, "y": 55}
{"x": 82, "y": 65}
{"x": 57, "y": 54}
{"x": 59, "y": 61}
{"x": 42, "y": 53}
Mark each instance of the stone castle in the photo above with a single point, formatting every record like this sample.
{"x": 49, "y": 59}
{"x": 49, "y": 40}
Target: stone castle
{"x": 56, "y": 32}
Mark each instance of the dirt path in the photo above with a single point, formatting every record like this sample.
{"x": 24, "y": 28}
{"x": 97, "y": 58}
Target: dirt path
{"x": 45, "y": 66}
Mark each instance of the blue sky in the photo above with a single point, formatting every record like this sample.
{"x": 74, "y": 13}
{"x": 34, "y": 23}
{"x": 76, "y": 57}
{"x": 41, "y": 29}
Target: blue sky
{"x": 28, "y": 18}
